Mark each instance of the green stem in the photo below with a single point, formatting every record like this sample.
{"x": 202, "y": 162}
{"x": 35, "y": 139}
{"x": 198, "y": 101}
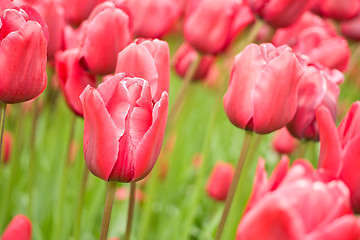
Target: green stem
{"x": 2, "y": 123}
{"x": 234, "y": 183}
{"x": 130, "y": 211}
{"x": 110, "y": 193}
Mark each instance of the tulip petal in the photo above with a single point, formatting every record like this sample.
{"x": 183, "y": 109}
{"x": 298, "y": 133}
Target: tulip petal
{"x": 349, "y": 127}
{"x": 279, "y": 173}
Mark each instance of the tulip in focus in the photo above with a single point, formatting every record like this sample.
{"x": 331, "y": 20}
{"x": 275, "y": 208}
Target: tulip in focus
{"x": 18, "y": 229}
{"x": 124, "y": 128}
{"x": 284, "y": 142}
{"x": 22, "y": 56}
{"x": 219, "y": 182}
{"x": 148, "y": 59}
{"x": 7, "y": 147}
{"x": 262, "y": 93}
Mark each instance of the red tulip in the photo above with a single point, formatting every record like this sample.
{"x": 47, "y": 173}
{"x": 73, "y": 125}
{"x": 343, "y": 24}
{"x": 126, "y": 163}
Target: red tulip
{"x": 186, "y": 55}
{"x": 280, "y": 13}
{"x": 339, "y": 151}
{"x": 73, "y": 78}
{"x": 124, "y": 129}
{"x": 211, "y": 25}
{"x": 148, "y": 59}
{"x": 262, "y": 93}
{"x": 6, "y": 147}
{"x": 284, "y": 142}
{"x": 339, "y": 10}
{"x": 351, "y": 28}
{"x": 153, "y": 18}
{"x": 106, "y": 34}
{"x": 22, "y": 56}
{"x": 219, "y": 182}
{"x": 18, "y": 229}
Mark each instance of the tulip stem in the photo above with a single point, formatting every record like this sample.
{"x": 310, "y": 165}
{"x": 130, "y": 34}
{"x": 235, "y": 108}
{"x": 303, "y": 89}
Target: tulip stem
{"x": 130, "y": 211}
{"x": 110, "y": 193}
{"x": 234, "y": 183}
{"x": 80, "y": 202}
{"x": 2, "y": 123}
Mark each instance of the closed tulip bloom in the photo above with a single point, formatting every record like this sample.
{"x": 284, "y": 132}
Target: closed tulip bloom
{"x": 79, "y": 10}
{"x": 284, "y": 142}
{"x": 18, "y": 229}
{"x": 7, "y": 147}
{"x": 153, "y": 18}
{"x": 262, "y": 93}
{"x": 219, "y": 182}
{"x": 106, "y": 34}
{"x": 339, "y": 10}
{"x": 211, "y": 25}
{"x": 185, "y": 55}
{"x": 351, "y": 28}
{"x": 148, "y": 59}
{"x": 73, "y": 78}
{"x": 22, "y": 57}
{"x": 280, "y": 13}
{"x": 124, "y": 128}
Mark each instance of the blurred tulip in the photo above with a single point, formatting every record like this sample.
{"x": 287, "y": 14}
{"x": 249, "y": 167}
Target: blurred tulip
{"x": 197, "y": 160}
{"x": 262, "y": 93}
{"x": 339, "y": 149}
{"x": 123, "y": 194}
{"x": 73, "y": 78}
{"x": 106, "y": 33}
{"x": 211, "y": 25}
{"x": 73, "y": 36}
{"x": 153, "y": 18}
{"x": 186, "y": 55}
{"x": 283, "y": 142}
{"x": 18, "y": 229}
{"x": 339, "y": 10}
{"x": 219, "y": 182}
{"x": 22, "y": 56}
{"x": 79, "y": 10}
{"x": 280, "y": 13}
{"x": 148, "y": 59}
{"x": 124, "y": 128}
{"x": 7, "y": 147}
{"x": 318, "y": 86}
{"x": 351, "y": 28}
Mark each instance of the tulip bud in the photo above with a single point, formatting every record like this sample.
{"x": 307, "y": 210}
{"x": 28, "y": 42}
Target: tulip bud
{"x": 124, "y": 128}
{"x": 339, "y": 10}
{"x": 219, "y": 182}
{"x": 18, "y": 229}
{"x": 79, "y": 10}
{"x": 283, "y": 142}
{"x": 262, "y": 93}
{"x": 351, "y": 28}
{"x": 6, "y": 147}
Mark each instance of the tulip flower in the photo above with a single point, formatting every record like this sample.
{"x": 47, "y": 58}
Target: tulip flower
{"x": 185, "y": 55}
{"x": 351, "y": 28}
{"x": 339, "y": 149}
{"x": 73, "y": 78}
{"x": 284, "y": 142}
{"x": 219, "y": 182}
{"x": 22, "y": 56}
{"x": 280, "y": 13}
{"x": 339, "y": 10}
{"x": 7, "y": 147}
{"x": 262, "y": 93}
{"x": 153, "y": 18}
{"x": 148, "y": 59}
{"x": 211, "y": 25}
{"x": 106, "y": 34}
{"x": 18, "y": 229}
{"x": 79, "y": 10}
{"x": 124, "y": 129}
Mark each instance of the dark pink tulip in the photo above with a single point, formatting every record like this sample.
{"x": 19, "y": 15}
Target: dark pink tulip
{"x": 18, "y": 229}
{"x": 79, "y": 10}
{"x": 211, "y": 25}
{"x": 284, "y": 142}
{"x": 106, "y": 34}
{"x": 339, "y": 10}
{"x": 185, "y": 55}
{"x": 318, "y": 86}
{"x": 22, "y": 57}
{"x": 124, "y": 129}
{"x": 153, "y": 18}
{"x": 6, "y": 147}
{"x": 148, "y": 59}
{"x": 262, "y": 93}
{"x": 73, "y": 78}
{"x": 351, "y": 28}
{"x": 339, "y": 149}
{"x": 219, "y": 182}
{"x": 280, "y": 13}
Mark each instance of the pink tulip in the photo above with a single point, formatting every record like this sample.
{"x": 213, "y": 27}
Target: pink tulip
{"x": 339, "y": 151}
{"x": 339, "y": 10}
{"x": 351, "y": 28}
{"x": 73, "y": 36}
{"x": 79, "y": 10}
{"x": 148, "y": 59}
{"x": 185, "y": 55}
{"x": 284, "y": 142}
{"x": 219, "y": 182}
{"x": 262, "y": 93}
{"x": 211, "y": 25}
{"x": 22, "y": 56}
{"x": 106, "y": 34}
{"x": 280, "y": 13}
{"x": 73, "y": 78}
{"x": 124, "y": 128}
{"x": 18, "y": 229}
{"x": 6, "y": 147}
{"x": 153, "y": 18}
{"x": 318, "y": 86}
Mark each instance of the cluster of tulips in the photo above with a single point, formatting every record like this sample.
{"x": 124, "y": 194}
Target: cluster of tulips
{"x": 272, "y": 65}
